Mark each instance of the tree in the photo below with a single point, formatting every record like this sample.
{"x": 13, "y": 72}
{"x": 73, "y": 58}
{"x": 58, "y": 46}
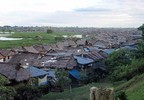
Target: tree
{"x": 6, "y": 91}
{"x": 118, "y": 58}
{"x": 63, "y": 79}
{"x": 49, "y": 31}
{"x": 141, "y": 28}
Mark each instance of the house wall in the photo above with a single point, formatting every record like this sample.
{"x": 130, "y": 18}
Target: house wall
{"x": 1, "y": 60}
{"x": 42, "y": 81}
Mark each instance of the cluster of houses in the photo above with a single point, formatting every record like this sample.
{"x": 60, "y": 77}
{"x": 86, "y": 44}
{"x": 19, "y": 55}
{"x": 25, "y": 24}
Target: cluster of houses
{"x": 40, "y": 61}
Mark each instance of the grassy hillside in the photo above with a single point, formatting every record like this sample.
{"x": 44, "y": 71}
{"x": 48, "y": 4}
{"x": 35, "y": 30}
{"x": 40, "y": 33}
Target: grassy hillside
{"x": 134, "y": 88}
{"x": 30, "y": 38}
{"x": 80, "y": 93}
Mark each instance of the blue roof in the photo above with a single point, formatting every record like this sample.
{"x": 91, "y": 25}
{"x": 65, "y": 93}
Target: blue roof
{"x": 36, "y": 72}
{"x": 83, "y": 60}
{"x": 75, "y": 73}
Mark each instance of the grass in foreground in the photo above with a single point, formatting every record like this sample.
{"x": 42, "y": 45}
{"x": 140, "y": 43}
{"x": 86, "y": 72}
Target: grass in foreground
{"x": 80, "y": 93}
{"x": 134, "y": 88}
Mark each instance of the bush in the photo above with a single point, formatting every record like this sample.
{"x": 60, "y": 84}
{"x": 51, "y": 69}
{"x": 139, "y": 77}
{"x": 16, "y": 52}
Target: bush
{"x": 6, "y": 91}
{"x": 121, "y": 95}
{"x": 63, "y": 79}
{"x": 30, "y": 92}
{"x": 118, "y": 58}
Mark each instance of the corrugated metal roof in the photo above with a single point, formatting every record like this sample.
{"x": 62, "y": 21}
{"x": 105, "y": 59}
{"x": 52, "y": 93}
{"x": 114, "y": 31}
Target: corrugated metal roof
{"x": 95, "y": 55}
{"x": 109, "y": 51}
{"x": 75, "y": 73}
{"x": 83, "y": 60}
{"x": 35, "y": 72}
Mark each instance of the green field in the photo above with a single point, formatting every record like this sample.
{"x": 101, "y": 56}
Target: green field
{"x": 30, "y": 38}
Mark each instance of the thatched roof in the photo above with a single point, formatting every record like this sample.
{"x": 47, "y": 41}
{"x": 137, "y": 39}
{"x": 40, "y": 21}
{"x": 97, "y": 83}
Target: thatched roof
{"x": 21, "y": 57}
{"x": 14, "y": 72}
{"x": 40, "y": 48}
{"x": 30, "y": 49}
{"x": 6, "y": 52}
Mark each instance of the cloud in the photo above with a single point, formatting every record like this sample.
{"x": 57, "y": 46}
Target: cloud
{"x": 91, "y": 13}
{"x": 92, "y": 9}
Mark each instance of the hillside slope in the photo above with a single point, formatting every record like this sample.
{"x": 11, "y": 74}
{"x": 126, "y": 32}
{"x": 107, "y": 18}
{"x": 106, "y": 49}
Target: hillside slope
{"x": 134, "y": 88}
{"x": 80, "y": 93}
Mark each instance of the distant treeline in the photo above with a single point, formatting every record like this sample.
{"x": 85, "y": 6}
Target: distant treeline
{"x": 61, "y": 29}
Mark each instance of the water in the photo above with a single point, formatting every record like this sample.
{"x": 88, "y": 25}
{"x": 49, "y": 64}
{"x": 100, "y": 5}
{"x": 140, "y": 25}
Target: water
{"x": 5, "y": 38}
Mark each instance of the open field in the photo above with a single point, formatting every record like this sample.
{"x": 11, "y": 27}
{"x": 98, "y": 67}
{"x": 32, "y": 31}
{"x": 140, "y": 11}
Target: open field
{"x": 30, "y": 38}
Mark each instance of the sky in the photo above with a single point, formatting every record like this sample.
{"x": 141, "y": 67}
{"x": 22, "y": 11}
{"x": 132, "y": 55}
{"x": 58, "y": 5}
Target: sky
{"x": 81, "y": 13}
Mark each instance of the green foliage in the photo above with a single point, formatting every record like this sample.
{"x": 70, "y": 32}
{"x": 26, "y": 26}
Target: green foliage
{"x": 63, "y": 79}
{"x": 84, "y": 77}
{"x": 3, "y": 80}
{"x": 141, "y": 28}
{"x": 140, "y": 50}
{"x": 121, "y": 95}
{"x": 134, "y": 88}
{"x": 6, "y": 91}
{"x": 49, "y": 31}
{"x": 27, "y": 93}
{"x": 117, "y": 58}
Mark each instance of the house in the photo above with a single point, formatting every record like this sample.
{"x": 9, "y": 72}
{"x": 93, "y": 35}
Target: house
{"x": 1, "y": 58}
{"x": 96, "y": 56}
{"x": 101, "y": 44}
{"x": 38, "y": 74}
{"x": 74, "y": 75}
{"x": 83, "y": 62}
{"x": 6, "y": 55}
{"x": 71, "y": 43}
{"x": 40, "y": 49}
{"x": 47, "y": 47}
{"x": 30, "y": 49}
{"x": 59, "y": 61}
{"x": 81, "y": 42}
{"x": 14, "y": 72}
{"x": 24, "y": 58}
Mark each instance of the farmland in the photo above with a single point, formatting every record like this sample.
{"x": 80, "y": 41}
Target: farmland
{"x": 31, "y": 38}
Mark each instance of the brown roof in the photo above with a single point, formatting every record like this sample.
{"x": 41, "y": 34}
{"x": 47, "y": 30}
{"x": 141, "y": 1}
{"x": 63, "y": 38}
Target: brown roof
{"x": 12, "y": 72}
{"x": 60, "y": 45}
{"x": 95, "y": 55}
{"x": 72, "y": 43}
{"x": 40, "y": 48}
{"x": 47, "y": 47}
{"x": 67, "y": 62}
{"x": 7, "y": 52}
{"x": 81, "y": 42}
{"x": 1, "y": 56}
{"x": 21, "y": 57}
{"x": 30, "y": 49}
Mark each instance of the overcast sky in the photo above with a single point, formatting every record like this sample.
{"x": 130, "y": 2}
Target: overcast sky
{"x": 82, "y": 13}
